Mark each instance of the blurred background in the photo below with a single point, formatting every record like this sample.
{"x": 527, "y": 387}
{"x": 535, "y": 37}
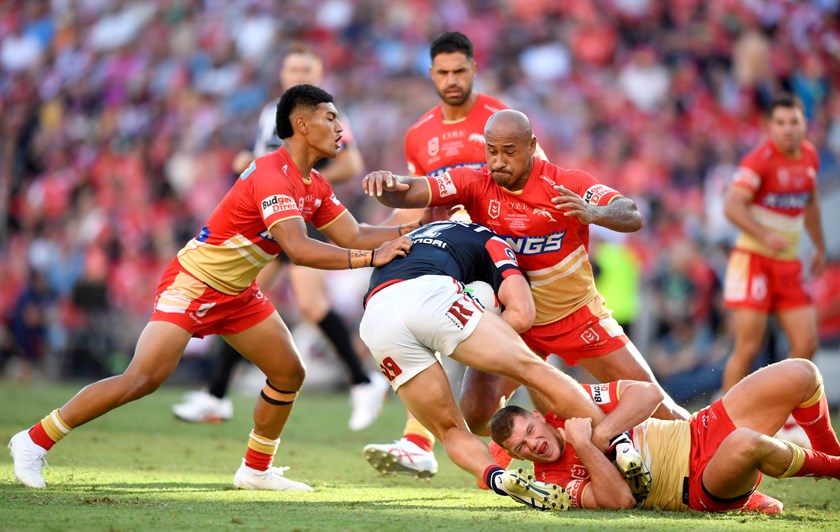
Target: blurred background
{"x": 119, "y": 121}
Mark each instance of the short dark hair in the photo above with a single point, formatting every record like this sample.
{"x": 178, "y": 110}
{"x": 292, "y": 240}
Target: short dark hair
{"x": 451, "y": 42}
{"x": 306, "y": 96}
{"x": 300, "y": 48}
{"x": 785, "y": 99}
{"x": 501, "y": 424}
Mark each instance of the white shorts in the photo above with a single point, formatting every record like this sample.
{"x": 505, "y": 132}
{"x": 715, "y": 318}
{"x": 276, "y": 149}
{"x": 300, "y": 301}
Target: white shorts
{"x": 405, "y": 323}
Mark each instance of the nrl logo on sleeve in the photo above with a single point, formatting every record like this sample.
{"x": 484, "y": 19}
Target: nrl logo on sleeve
{"x": 596, "y": 193}
{"x": 277, "y": 203}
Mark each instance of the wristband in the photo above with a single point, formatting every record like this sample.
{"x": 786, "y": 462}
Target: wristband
{"x": 349, "y": 262}
{"x": 372, "y": 255}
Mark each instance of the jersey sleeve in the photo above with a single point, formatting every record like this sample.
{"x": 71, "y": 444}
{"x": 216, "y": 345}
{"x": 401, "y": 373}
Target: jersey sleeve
{"x": 330, "y": 207}
{"x": 276, "y": 202}
{"x": 448, "y": 187}
{"x": 604, "y": 395}
{"x": 504, "y": 260}
{"x": 591, "y": 190}
{"x": 748, "y": 174}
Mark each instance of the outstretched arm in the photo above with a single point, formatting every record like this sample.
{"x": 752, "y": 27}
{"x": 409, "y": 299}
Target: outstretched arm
{"x": 636, "y": 402}
{"x": 813, "y": 225}
{"x": 619, "y": 215}
{"x": 404, "y": 192}
{"x": 347, "y": 232}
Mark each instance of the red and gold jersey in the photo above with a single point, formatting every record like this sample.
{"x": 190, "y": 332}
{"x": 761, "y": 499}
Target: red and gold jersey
{"x": 235, "y": 244}
{"x": 434, "y": 146}
{"x": 551, "y": 249}
{"x": 664, "y": 446}
{"x": 780, "y": 188}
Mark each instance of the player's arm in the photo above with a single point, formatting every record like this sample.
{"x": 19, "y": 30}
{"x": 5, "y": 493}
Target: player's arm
{"x": 637, "y": 401}
{"x": 813, "y": 225}
{"x": 302, "y": 250}
{"x": 620, "y": 214}
{"x": 346, "y": 165}
{"x": 607, "y": 489}
{"x": 736, "y": 208}
{"x": 347, "y": 232}
{"x": 519, "y": 309}
{"x": 404, "y": 192}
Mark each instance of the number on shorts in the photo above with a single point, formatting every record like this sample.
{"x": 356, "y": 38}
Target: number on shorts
{"x": 390, "y": 368}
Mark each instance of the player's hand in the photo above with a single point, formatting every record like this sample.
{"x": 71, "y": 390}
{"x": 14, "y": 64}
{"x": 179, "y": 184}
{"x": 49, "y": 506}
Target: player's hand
{"x": 392, "y": 249}
{"x": 572, "y": 205}
{"x": 818, "y": 262}
{"x": 378, "y": 181}
{"x": 579, "y": 431}
{"x": 775, "y": 242}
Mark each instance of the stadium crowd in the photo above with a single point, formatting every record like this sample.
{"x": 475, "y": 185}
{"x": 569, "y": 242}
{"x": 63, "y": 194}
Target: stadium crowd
{"x": 120, "y": 121}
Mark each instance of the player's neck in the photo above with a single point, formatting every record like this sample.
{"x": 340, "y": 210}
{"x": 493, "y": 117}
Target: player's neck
{"x": 794, "y": 153}
{"x": 454, "y": 113}
{"x": 302, "y": 155}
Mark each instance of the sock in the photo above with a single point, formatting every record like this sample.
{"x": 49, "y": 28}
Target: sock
{"x": 260, "y": 452}
{"x": 813, "y": 417}
{"x": 336, "y": 331}
{"x": 500, "y": 455}
{"x": 419, "y": 435}
{"x": 810, "y": 463}
{"x": 230, "y": 357}
{"x": 493, "y": 478}
{"x": 49, "y": 430}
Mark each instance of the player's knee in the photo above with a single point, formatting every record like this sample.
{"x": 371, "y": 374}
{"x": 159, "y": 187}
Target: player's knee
{"x": 290, "y": 376}
{"x": 743, "y": 442}
{"x": 137, "y": 386}
{"x": 802, "y": 373}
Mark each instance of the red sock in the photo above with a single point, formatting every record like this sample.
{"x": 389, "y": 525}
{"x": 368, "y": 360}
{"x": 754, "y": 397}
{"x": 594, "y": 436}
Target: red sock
{"x": 500, "y": 455}
{"x": 817, "y": 464}
{"x": 814, "y": 420}
{"x": 418, "y": 440}
{"x": 257, "y": 460}
{"x": 39, "y": 436}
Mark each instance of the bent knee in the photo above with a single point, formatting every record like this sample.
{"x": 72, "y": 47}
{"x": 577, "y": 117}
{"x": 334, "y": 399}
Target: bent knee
{"x": 289, "y": 377}
{"x": 802, "y": 372}
{"x": 137, "y": 386}
{"x": 742, "y": 441}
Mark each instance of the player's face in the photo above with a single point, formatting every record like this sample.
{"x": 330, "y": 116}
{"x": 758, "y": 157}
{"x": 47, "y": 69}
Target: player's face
{"x": 533, "y": 439}
{"x": 509, "y": 158}
{"x": 324, "y": 129}
{"x": 299, "y": 69}
{"x": 787, "y": 128}
{"x": 453, "y": 76}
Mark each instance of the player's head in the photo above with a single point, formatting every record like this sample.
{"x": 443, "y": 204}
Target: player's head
{"x": 453, "y": 67}
{"x": 787, "y": 125}
{"x": 309, "y": 112}
{"x": 526, "y": 435}
{"x": 301, "y": 65}
{"x": 510, "y": 148}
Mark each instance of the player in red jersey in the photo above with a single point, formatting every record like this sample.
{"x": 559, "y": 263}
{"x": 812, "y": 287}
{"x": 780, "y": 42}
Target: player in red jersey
{"x": 450, "y": 135}
{"x": 543, "y": 211}
{"x": 773, "y": 195}
{"x": 301, "y": 64}
{"x": 209, "y": 288}
{"x": 712, "y": 462}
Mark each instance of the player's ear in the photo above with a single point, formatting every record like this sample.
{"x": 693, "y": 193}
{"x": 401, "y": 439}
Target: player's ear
{"x": 300, "y": 123}
{"x": 532, "y": 145}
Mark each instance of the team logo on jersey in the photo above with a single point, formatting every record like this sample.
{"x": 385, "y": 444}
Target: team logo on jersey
{"x": 783, "y": 175}
{"x": 495, "y": 208}
{"x": 446, "y": 187}
{"x": 277, "y": 203}
{"x": 477, "y": 137}
{"x": 578, "y": 471}
{"x": 545, "y": 214}
{"x": 434, "y": 146}
{"x": 596, "y": 193}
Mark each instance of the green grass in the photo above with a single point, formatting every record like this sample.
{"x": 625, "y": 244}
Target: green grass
{"x": 139, "y": 469}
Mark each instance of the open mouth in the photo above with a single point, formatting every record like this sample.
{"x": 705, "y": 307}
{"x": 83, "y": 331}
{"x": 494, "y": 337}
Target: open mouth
{"x": 543, "y": 448}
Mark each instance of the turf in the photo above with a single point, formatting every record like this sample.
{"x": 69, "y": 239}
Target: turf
{"x": 139, "y": 469}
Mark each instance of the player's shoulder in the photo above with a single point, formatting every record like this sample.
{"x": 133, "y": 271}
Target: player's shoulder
{"x": 809, "y": 149}
{"x": 759, "y": 155}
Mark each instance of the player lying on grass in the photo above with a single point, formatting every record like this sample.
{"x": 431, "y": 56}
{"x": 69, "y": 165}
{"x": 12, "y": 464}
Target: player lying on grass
{"x": 712, "y": 462}
{"x": 418, "y": 306}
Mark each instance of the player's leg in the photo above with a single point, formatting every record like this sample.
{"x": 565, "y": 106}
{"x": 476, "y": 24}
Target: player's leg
{"x": 269, "y": 345}
{"x": 800, "y": 326}
{"x": 156, "y": 355}
{"x": 764, "y": 400}
{"x": 749, "y": 327}
{"x": 367, "y": 393}
{"x": 211, "y": 405}
{"x": 429, "y": 397}
{"x": 627, "y": 363}
{"x": 482, "y": 395}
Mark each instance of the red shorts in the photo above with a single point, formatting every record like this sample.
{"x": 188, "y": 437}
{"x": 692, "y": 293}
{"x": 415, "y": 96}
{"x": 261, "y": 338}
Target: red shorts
{"x": 709, "y": 427}
{"x": 201, "y": 309}
{"x": 588, "y": 332}
{"x": 764, "y": 284}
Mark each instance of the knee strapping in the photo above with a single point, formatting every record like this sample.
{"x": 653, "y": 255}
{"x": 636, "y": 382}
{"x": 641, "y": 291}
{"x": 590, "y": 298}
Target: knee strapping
{"x": 273, "y": 396}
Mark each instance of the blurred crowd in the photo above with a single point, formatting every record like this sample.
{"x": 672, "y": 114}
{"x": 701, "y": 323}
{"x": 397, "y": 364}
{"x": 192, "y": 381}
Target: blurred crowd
{"x": 120, "y": 121}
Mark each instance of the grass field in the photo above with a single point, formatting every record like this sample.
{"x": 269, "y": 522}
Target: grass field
{"x": 140, "y": 469}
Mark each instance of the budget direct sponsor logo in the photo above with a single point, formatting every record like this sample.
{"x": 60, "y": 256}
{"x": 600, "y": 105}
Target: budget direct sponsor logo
{"x": 596, "y": 193}
{"x": 446, "y": 187}
{"x": 277, "y": 203}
